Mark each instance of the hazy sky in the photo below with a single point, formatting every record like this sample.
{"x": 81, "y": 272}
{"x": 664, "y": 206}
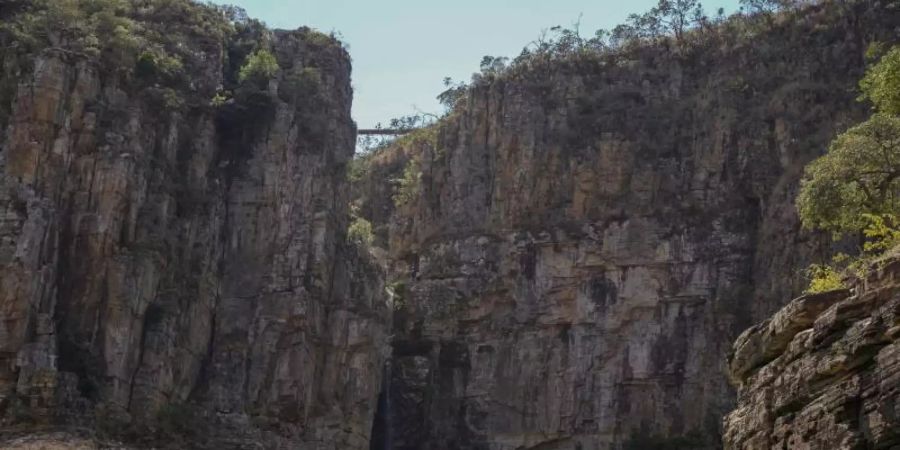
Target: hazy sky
{"x": 403, "y": 49}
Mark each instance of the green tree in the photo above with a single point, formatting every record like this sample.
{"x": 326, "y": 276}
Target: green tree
{"x": 855, "y": 187}
{"x": 678, "y": 15}
{"x": 452, "y": 95}
{"x": 881, "y": 85}
{"x": 859, "y": 175}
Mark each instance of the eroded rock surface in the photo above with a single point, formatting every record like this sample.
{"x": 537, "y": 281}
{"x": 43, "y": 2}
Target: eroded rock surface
{"x": 587, "y": 238}
{"x": 186, "y": 265}
{"x": 830, "y": 379}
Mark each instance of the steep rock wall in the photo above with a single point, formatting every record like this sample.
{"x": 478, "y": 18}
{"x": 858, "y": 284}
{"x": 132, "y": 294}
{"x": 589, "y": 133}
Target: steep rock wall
{"x": 186, "y": 265}
{"x": 587, "y": 238}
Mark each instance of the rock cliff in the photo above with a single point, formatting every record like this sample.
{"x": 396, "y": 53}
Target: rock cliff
{"x": 824, "y": 372}
{"x": 569, "y": 253}
{"x": 586, "y": 238}
{"x": 179, "y": 275}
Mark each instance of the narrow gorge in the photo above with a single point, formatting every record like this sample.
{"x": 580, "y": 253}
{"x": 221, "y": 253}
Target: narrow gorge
{"x": 566, "y": 260}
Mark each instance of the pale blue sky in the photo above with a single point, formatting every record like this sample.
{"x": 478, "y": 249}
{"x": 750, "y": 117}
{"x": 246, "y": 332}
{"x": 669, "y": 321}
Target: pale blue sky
{"x": 403, "y": 49}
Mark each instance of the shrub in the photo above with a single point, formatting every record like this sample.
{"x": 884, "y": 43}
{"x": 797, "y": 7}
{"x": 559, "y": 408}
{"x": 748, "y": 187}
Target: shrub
{"x": 823, "y": 278}
{"x": 259, "y": 68}
{"x": 318, "y": 39}
{"x": 360, "y": 232}
{"x": 397, "y": 292}
{"x": 160, "y": 67}
{"x": 172, "y": 99}
{"x": 219, "y": 100}
{"x": 408, "y": 185}
{"x": 305, "y": 84}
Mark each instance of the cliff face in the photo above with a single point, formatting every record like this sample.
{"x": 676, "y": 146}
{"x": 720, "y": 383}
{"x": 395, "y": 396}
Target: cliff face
{"x": 585, "y": 240}
{"x": 186, "y": 266}
{"x": 824, "y": 372}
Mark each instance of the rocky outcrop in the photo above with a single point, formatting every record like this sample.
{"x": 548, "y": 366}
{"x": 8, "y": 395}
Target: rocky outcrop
{"x": 823, "y": 373}
{"x": 587, "y": 237}
{"x": 186, "y": 266}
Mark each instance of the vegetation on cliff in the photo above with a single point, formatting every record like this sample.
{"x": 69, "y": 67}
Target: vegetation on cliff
{"x": 681, "y": 29}
{"x": 159, "y": 47}
{"x": 142, "y": 42}
{"x": 854, "y": 189}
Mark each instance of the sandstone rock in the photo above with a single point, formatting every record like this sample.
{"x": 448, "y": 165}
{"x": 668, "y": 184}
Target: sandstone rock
{"x": 835, "y": 385}
{"x": 186, "y": 265}
{"x": 588, "y": 236}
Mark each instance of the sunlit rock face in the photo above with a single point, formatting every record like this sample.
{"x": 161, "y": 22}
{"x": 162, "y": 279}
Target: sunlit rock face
{"x": 188, "y": 266}
{"x": 587, "y": 238}
{"x": 824, "y": 372}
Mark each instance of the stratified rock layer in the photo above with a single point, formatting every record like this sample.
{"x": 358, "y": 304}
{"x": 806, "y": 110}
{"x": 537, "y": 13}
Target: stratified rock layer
{"x": 189, "y": 264}
{"x": 588, "y": 236}
{"x": 822, "y": 373}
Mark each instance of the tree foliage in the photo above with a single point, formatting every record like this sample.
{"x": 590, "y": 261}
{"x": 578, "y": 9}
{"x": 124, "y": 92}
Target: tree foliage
{"x": 408, "y": 185}
{"x": 855, "y": 187}
{"x": 360, "y": 232}
{"x": 823, "y": 278}
{"x": 859, "y": 175}
{"x": 154, "y": 44}
{"x": 453, "y": 94}
{"x": 81, "y": 26}
{"x": 881, "y": 84}
{"x": 259, "y": 68}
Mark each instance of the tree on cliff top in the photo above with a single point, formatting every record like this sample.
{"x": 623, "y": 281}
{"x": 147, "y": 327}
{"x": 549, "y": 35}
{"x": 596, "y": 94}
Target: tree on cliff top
{"x": 855, "y": 187}
{"x": 859, "y": 176}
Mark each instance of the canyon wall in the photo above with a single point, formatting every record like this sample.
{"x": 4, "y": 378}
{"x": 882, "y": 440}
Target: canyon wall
{"x": 180, "y": 276}
{"x": 569, "y": 253}
{"x": 585, "y": 238}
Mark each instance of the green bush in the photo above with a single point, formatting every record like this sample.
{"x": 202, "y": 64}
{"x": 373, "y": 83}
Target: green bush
{"x": 397, "y": 292}
{"x": 408, "y": 185}
{"x": 360, "y": 232}
{"x": 823, "y": 278}
{"x": 90, "y": 27}
{"x": 151, "y": 43}
{"x": 318, "y": 39}
{"x": 303, "y": 88}
{"x": 259, "y": 68}
{"x": 159, "y": 66}
{"x": 219, "y": 100}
